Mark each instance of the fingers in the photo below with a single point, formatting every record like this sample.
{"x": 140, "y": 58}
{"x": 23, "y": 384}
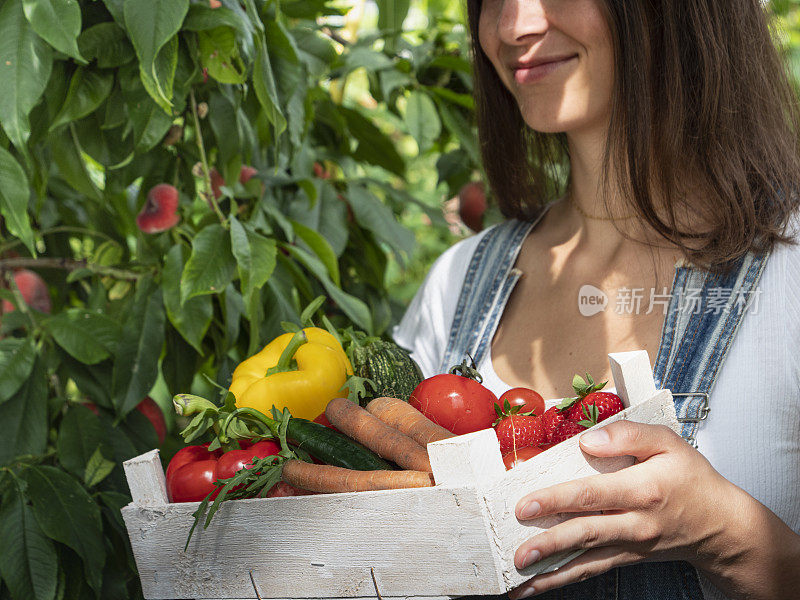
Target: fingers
{"x": 622, "y": 490}
{"x": 589, "y": 564}
{"x": 628, "y": 438}
{"x": 582, "y": 533}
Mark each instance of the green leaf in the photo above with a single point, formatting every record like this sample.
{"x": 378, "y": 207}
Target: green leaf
{"x": 366, "y": 58}
{"x": 16, "y": 363}
{"x": 150, "y": 122}
{"x": 25, "y": 65}
{"x": 319, "y": 246}
{"x": 374, "y": 215}
{"x": 465, "y": 100}
{"x": 219, "y": 54}
{"x": 422, "y": 119}
{"x": 117, "y": 9}
{"x": 97, "y": 468}
{"x": 79, "y": 436}
{"x": 89, "y": 336}
{"x": 136, "y": 365}
{"x": 315, "y": 50}
{"x": 460, "y": 129}
{"x": 202, "y": 17}
{"x": 58, "y": 22}
{"x": 151, "y": 24}
{"x": 28, "y": 561}
{"x": 392, "y": 13}
{"x": 255, "y": 257}
{"x": 264, "y": 85}
{"x": 222, "y": 118}
{"x": 374, "y": 146}
{"x": 327, "y": 216}
{"x": 191, "y": 318}
{"x": 23, "y": 419}
{"x": 180, "y": 362}
{"x": 14, "y": 194}
{"x": 159, "y": 80}
{"x": 67, "y": 514}
{"x": 87, "y": 90}
{"x": 71, "y": 166}
{"x": 355, "y": 309}
{"x": 211, "y": 266}
{"x": 108, "y": 43}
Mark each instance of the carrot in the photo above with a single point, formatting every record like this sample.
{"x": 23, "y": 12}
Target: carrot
{"x": 408, "y": 420}
{"x": 352, "y": 420}
{"x": 327, "y": 479}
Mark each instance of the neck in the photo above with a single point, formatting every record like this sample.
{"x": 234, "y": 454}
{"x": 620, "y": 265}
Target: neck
{"x": 593, "y": 188}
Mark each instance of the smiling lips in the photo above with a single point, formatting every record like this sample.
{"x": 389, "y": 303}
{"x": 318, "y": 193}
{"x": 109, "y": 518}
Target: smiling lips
{"x": 537, "y": 70}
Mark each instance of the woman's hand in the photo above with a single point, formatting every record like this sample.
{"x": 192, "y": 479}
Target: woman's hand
{"x": 670, "y": 505}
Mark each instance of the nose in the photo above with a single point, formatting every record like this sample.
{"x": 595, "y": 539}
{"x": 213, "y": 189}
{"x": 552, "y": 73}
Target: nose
{"x": 519, "y": 20}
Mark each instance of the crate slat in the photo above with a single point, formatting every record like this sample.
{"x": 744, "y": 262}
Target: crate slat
{"x": 427, "y": 541}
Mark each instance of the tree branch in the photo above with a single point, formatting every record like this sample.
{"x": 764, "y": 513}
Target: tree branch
{"x": 68, "y": 264}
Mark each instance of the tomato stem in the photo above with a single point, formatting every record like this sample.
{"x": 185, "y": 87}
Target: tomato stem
{"x": 467, "y": 370}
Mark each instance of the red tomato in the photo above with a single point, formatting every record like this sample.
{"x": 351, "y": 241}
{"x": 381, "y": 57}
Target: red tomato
{"x": 529, "y": 400}
{"x": 191, "y": 454}
{"x": 513, "y": 458}
{"x": 192, "y": 482}
{"x": 236, "y": 460}
{"x": 190, "y": 473}
{"x": 457, "y": 403}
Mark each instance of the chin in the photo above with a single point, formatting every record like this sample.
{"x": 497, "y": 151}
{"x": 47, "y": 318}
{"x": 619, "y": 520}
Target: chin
{"x": 557, "y": 116}
{"x": 552, "y": 124}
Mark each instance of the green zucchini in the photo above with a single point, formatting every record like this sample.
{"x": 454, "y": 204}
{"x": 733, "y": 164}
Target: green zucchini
{"x": 333, "y": 448}
{"x": 390, "y": 367}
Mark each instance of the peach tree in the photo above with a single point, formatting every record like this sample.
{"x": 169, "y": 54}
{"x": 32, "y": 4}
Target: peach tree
{"x": 178, "y": 178}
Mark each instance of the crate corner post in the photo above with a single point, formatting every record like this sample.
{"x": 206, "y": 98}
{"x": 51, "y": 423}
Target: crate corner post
{"x": 146, "y": 480}
{"x": 472, "y": 459}
{"x": 633, "y": 376}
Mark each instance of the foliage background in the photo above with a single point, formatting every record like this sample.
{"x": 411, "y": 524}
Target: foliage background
{"x": 102, "y": 99}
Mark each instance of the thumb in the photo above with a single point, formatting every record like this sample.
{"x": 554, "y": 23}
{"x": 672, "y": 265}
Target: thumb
{"x": 628, "y": 438}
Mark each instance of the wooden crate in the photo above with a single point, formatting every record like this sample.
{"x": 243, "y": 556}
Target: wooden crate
{"x": 457, "y": 538}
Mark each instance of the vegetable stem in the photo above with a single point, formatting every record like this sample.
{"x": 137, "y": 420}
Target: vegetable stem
{"x": 285, "y": 360}
{"x": 189, "y": 404}
{"x": 271, "y": 424}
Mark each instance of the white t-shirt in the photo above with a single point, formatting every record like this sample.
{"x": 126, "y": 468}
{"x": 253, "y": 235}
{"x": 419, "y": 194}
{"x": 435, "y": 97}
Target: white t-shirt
{"x": 751, "y": 435}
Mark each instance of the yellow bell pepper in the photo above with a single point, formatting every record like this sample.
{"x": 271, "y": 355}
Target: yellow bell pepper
{"x": 301, "y": 372}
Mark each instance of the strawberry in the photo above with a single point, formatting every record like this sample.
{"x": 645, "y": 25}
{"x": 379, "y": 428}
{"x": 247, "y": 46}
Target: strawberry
{"x": 519, "y": 431}
{"x": 590, "y": 405}
{"x": 605, "y": 403}
{"x": 551, "y": 419}
{"x": 566, "y": 430}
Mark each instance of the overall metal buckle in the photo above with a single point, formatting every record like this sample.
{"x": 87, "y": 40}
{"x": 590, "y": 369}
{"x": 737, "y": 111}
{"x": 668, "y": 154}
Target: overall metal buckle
{"x": 702, "y": 415}
{"x": 704, "y": 408}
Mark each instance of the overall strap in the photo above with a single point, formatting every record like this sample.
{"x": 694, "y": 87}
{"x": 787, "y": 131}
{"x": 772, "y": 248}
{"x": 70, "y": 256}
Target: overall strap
{"x": 703, "y": 317}
{"x": 487, "y": 285}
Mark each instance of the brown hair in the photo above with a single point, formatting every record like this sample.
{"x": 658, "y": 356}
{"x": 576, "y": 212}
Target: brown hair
{"x": 713, "y": 96}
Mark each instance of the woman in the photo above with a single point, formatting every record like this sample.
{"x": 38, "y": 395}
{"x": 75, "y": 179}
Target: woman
{"x": 677, "y": 128}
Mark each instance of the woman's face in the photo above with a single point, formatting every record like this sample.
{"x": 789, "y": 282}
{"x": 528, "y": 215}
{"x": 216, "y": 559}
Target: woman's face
{"x": 555, "y": 57}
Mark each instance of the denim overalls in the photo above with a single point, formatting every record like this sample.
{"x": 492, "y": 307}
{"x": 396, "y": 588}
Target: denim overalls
{"x": 703, "y": 315}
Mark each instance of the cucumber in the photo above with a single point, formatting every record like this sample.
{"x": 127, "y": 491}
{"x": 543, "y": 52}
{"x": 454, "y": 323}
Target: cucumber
{"x": 333, "y": 448}
{"x": 389, "y": 366}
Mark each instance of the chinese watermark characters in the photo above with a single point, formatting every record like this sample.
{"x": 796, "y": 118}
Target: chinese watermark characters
{"x": 635, "y": 301}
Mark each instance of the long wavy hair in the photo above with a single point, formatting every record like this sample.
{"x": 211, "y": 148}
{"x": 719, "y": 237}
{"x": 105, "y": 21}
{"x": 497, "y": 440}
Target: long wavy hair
{"x": 699, "y": 86}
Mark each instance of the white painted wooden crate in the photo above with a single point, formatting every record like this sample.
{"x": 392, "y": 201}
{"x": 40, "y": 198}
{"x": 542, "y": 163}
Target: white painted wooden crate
{"x": 457, "y": 538}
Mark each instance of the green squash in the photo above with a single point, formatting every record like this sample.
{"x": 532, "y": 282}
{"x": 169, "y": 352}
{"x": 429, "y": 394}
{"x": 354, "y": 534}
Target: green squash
{"x": 387, "y": 365}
